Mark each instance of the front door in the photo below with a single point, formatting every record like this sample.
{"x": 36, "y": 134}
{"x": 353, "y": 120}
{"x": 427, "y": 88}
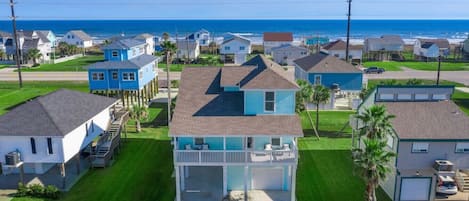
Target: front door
{"x": 249, "y": 143}
{"x": 114, "y": 79}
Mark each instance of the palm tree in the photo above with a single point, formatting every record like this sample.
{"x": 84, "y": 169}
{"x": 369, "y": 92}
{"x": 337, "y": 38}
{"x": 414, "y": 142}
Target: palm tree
{"x": 2, "y": 54}
{"x": 165, "y": 36}
{"x": 34, "y": 54}
{"x": 303, "y": 96}
{"x": 63, "y": 48}
{"x": 373, "y": 162}
{"x": 169, "y": 48}
{"x": 212, "y": 45}
{"x": 376, "y": 122}
{"x": 320, "y": 95}
{"x": 138, "y": 113}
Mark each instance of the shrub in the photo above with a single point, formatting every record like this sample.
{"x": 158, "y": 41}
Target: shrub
{"x": 37, "y": 191}
{"x": 51, "y": 192}
{"x": 36, "y": 65}
{"x": 23, "y": 190}
{"x": 174, "y": 83}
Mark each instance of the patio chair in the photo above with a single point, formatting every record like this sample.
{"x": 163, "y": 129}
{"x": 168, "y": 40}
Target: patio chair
{"x": 268, "y": 147}
{"x": 205, "y": 147}
{"x": 286, "y": 147}
{"x": 188, "y": 147}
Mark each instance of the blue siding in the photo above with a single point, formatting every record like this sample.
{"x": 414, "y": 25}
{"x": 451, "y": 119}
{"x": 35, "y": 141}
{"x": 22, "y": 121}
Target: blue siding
{"x": 214, "y": 143}
{"x": 254, "y": 102}
{"x": 130, "y": 85}
{"x": 98, "y": 84}
{"x": 234, "y": 143}
{"x": 231, "y": 88}
{"x": 114, "y": 84}
{"x": 346, "y": 81}
{"x": 260, "y": 142}
{"x": 122, "y": 55}
{"x": 182, "y": 141}
{"x": 148, "y": 75}
{"x": 235, "y": 177}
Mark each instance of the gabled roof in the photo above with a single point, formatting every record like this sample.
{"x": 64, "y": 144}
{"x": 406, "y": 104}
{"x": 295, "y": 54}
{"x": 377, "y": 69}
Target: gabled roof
{"x": 81, "y": 35}
{"x": 55, "y": 114}
{"x": 278, "y": 36}
{"x": 144, "y": 36}
{"x": 5, "y": 34}
{"x": 267, "y": 75}
{"x": 43, "y": 36}
{"x": 235, "y": 37}
{"x": 441, "y": 43}
{"x": 387, "y": 40}
{"x": 186, "y": 44}
{"x": 203, "y": 108}
{"x": 428, "y": 120}
{"x": 124, "y": 44}
{"x": 427, "y": 45}
{"x": 134, "y": 63}
{"x": 31, "y": 43}
{"x": 339, "y": 45}
{"x": 232, "y": 76}
{"x": 289, "y": 47}
{"x": 324, "y": 63}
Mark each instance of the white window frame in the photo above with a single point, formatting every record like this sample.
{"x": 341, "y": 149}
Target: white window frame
{"x": 269, "y": 101}
{"x": 386, "y": 96}
{"x": 272, "y": 141}
{"x": 242, "y": 48}
{"x": 195, "y": 141}
{"x": 227, "y": 48}
{"x": 421, "y": 96}
{"x": 140, "y": 75}
{"x": 462, "y": 147}
{"x": 97, "y": 76}
{"x": 316, "y": 79}
{"x": 116, "y": 53}
{"x": 419, "y": 147}
{"x": 404, "y": 97}
{"x": 126, "y": 76}
{"x": 439, "y": 97}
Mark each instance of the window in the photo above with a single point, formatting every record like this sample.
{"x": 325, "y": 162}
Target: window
{"x": 33, "y": 145}
{"x": 439, "y": 97}
{"x": 198, "y": 141}
{"x": 86, "y": 129}
{"x": 336, "y": 55}
{"x": 386, "y": 96}
{"x": 134, "y": 52}
{"x": 421, "y": 96}
{"x": 115, "y": 53}
{"x": 77, "y": 43}
{"x": 462, "y": 147}
{"x": 49, "y": 146}
{"x": 97, "y": 76}
{"x": 404, "y": 97}
{"x": 249, "y": 144}
{"x": 114, "y": 76}
{"x": 269, "y": 98}
{"x": 419, "y": 147}
{"x": 128, "y": 76}
{"x": 227, "y": 47}
{"x": 68, "y": 36}
{"x": 275, "y": 141}
{"x": 317, "y": 80}
{"x": 303, "y": 53}
{"x": 73, "y": 36}
{"x": 241, "y": 48}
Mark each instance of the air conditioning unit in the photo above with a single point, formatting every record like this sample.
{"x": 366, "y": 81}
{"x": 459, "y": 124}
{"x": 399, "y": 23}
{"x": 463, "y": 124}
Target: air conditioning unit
{"x": 12, "y": 158}
{"x": 443, "y": 166}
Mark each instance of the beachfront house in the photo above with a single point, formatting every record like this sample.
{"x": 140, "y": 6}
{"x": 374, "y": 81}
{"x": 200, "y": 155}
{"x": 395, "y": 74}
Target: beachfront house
{"x": 387, "y": 47}
{"x": 55, "y": 132}
{"x": 78, "y": 38}
{"x": 466, "y": 48}
{"x": 149, "y": 42}
{"x": 49, "y": 35}
{"x": 28, "y": 40}
{"x": 187, "y": 49}
{"x": 430, "y": 136}
{"x": 4, "y": 37}
{"x": 234, "y": 132}
{"x": 431, "y": 48}
{"x": 276, "y": 39}
{"x": 235, "y": 48}
{"x": 286, "y": 54}
{"x": 343, "y": 79}
{"x": 126, "y": 71}
{"x": 338, "y": 49}
{"x": 202, "y": 37}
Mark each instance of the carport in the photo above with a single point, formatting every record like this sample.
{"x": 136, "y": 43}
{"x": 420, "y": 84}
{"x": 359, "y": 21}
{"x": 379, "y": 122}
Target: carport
{"x": 202, "y": 183}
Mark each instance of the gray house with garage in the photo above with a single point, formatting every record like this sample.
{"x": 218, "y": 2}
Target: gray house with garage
{"x": 428, "y": 128}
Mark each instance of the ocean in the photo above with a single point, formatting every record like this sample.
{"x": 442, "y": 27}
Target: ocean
{"x": 455, "y": 30}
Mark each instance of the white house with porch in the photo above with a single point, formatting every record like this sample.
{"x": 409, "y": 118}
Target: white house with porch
{"x": 234, "y": 132}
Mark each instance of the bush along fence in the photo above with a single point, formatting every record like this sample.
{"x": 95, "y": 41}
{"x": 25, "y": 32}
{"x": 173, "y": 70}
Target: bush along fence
{"x": 38, "y": 191}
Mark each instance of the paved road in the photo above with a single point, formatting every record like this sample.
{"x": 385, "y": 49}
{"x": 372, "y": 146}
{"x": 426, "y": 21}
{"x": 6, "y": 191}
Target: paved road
{"x": 7, "y": 74}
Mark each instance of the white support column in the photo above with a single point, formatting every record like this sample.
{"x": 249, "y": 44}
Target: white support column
{"x": 178, "y": 182}
{"x": 225, "y": 180}
{"x": 293, "y": 183}
{"x": 183, "y": 178}
{"x": 246, "y": 183}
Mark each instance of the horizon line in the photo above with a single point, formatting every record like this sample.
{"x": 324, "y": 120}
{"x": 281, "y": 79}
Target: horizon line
{"x": 228, "y": 19}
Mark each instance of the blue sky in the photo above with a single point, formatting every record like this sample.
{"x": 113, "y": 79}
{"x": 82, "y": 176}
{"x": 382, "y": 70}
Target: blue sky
{"x": 237, "y": 9}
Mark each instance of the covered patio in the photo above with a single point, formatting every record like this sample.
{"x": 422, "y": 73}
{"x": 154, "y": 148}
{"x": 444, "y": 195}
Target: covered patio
{"x": 202, "y": 183}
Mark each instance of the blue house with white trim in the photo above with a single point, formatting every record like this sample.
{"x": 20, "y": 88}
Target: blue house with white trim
{"x": 234, "y": 130}
{"x": 344, "y": 79}
{"x": 127, "y": 70}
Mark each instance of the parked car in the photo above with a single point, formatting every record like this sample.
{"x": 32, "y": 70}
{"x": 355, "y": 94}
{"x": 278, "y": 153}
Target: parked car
{"x": 374, "y": 69}
{"x": 446, "y": 185}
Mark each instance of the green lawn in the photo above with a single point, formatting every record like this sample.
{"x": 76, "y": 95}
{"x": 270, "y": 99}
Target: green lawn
{"x": 179, "y": 67}
{"x": 4, "y": 66}
{"x": 72, "y": 65}
{"x": 418, "y": 65}
{"x": 11, "y": 95}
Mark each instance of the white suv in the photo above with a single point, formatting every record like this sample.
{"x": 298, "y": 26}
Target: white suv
{"x": 446, "y": 185}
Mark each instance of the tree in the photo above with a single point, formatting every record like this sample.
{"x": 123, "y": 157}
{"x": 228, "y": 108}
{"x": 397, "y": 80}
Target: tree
{"x": 373, "y": 162}
{"x": 376, "y": 122}
{"x": 303, "y": 96}
{"x": 63, "y": 48}
{"x": 34, "y": 54}
{"x": 414, "y": 81}
{"x": 2, "y": 54}
{"x": 213, "y": 46}
{"x": 169, "y": 48}
{"x": 165, "y": 36}
{"x": 320, "y": 95}
{"x": 363, "y": 93}
{"x": 138, "y": 113}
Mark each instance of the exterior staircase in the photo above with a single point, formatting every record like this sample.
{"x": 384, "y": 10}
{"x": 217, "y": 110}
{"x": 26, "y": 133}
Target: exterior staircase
{"x": 466, "y": 183}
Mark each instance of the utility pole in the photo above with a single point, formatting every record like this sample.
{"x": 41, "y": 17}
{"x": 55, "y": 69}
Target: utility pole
{"x": 15, "y": 34}
{"x": 439, "y": 68}
{"x": 348, "y": 30}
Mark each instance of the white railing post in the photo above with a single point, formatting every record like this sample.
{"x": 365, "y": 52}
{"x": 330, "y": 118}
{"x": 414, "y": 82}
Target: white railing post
{"x": 200, "y": 157}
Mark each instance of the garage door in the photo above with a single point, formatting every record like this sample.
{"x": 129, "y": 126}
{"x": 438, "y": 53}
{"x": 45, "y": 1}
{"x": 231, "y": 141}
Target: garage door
{"x": 415, "y": 189}
{"x": 267, "y": 178}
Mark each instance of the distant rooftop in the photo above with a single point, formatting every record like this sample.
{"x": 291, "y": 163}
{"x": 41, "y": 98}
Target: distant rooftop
{"x": 134, "y": 63}
{"x": 324, "y": 63}
{"x": 126, "y": 43}
{"x": 278, "y": 36}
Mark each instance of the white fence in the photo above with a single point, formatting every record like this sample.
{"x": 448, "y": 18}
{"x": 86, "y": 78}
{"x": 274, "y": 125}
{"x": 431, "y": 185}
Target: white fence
{"x": 238, "y": 156}
{"x": 68, "y": 58}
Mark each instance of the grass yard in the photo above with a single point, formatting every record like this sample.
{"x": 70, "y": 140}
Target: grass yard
{"x": 4, "y": 66}
{"x": 178, "y": 67}
{"x": 11, "y": 95}
{"x": 325, "y": 169}
{"x": 418, "y": 65}
{"x": 72, "y": 65}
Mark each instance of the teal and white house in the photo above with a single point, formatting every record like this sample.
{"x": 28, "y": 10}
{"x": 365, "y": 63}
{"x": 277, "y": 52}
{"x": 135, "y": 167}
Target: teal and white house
{"x": 126, "y": 71}
{"x": 344, "y": 79}
{"x": 234, "y": 131}
{"x": 430, "y": 137}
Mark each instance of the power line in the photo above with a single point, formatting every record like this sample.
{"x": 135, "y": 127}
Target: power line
{"x": 348, "y": 30}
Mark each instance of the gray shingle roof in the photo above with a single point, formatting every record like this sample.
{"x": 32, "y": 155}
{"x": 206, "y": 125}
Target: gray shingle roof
{"x": 134, "y": 63}
{"x": 267, "y": 75}
{"x": 233, "y": 37}
{"x": 55, "y": 114}
{"x": 144, "y": 36}
{"x": 289, "y": 47}
{"x": 202, "y": 108}
{"x": 442, "y": 43}
{"x": 324, "y": 63}
{"x": 340, "y": 45}
{"x": 429, "y": 120}
{"x": 186, "y": 44}
{"x": 81, "y": 35}
{"x": 31, "y": 43}
{"x": 5, "y": 34}
{"x": 124, "y": 44}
